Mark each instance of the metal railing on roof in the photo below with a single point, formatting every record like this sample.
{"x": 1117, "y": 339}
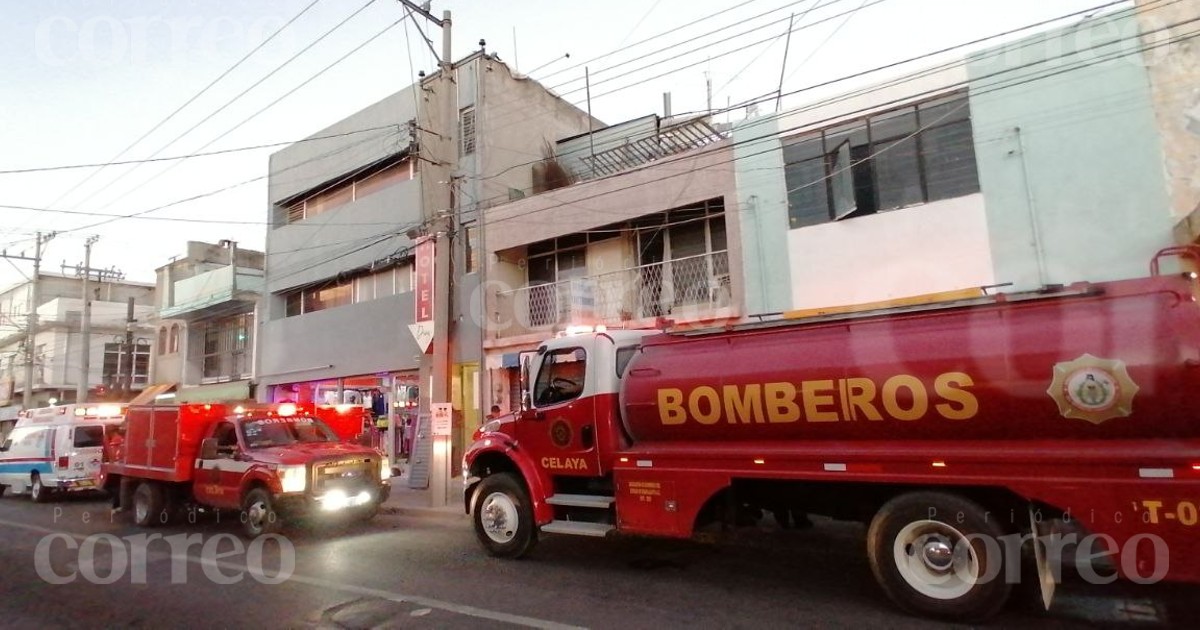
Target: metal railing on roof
{"x": 670, "y": 140}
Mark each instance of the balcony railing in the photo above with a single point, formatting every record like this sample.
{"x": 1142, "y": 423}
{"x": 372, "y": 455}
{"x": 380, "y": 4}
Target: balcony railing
{"x": 694, "y": 287}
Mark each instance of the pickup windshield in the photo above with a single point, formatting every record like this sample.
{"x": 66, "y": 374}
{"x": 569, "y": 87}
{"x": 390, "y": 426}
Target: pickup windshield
{"x": 268, "y": 432}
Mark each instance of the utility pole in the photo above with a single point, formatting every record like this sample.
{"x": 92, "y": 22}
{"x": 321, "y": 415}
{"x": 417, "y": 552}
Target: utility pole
{"x": 85, "y": 326}
{"x": 439, "y": 211}
{"x": 31, "y": 319}
{"x": 127, "y": 373}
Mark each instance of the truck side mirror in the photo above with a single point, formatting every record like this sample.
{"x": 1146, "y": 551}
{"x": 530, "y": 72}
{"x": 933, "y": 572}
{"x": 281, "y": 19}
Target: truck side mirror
{"x": 208, "y": 448}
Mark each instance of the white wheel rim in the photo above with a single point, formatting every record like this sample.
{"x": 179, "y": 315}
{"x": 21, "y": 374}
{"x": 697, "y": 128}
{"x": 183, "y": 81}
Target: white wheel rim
{"x": 936, "y": 560}
{"x": 256, "y": 515}
{"x": 499, "y": 517}
{"x": 36, "y": 488}
{"x": 141, "y": 508}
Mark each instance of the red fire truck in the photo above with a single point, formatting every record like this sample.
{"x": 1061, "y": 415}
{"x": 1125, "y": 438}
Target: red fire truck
{"x": 268, "y": 463}
{"x": 954, "y": 430}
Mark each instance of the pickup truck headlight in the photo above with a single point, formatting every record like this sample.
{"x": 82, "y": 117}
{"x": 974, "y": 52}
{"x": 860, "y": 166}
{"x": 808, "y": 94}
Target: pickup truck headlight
{"x": 293, "y": 478}
{"x": 385, "y": 471}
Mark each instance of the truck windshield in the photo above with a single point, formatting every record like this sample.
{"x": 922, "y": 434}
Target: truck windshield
{"x": 267, "y": 432}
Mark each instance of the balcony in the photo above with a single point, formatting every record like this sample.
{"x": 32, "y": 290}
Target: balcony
{"x": 203, "y": 295}
{"x": 684, "y": 289}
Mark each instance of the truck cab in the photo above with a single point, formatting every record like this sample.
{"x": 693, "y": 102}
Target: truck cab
{"x": 561, "y": 443}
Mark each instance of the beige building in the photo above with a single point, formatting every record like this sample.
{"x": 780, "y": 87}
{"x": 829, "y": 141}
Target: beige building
{"x": 632, "y": 225}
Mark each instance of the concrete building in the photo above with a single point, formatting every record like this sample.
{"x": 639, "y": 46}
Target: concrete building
{"x": 1053, "y": 159}
{"x": 345, "y": 207}
{"x": 57, "y": 342}
{"x": 644, "y": 228}
{"x": 206, "y": 323}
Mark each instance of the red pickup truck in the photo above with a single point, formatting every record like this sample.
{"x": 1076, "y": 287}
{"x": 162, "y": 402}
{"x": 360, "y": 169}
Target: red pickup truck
{"x": 269, "y": 463}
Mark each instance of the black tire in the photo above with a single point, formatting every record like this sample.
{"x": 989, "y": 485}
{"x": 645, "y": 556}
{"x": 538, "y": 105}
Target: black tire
{"x": 931, "y": 553}
{"x": 150, "y": 505}
{"x": 258, "y": 514}
{"x": 38, "y": 491}
{"x": 503, "y": 516}
{"x": 2, "y": 489}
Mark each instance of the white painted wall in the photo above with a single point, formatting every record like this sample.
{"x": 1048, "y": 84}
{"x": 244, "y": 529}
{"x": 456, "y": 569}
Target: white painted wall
{"x": 939, "y": 246}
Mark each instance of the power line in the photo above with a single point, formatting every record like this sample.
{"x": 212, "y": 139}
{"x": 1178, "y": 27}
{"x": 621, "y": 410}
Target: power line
{"x": 102, "y": 165}
{"x": 230, "y": 102}
{"x": 195, "y": 96}
{"x": 874, "y": 88}
{"x": 883, "y": 107}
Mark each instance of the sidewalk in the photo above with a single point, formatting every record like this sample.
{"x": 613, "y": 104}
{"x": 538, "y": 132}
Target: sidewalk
{"x": 409, "y": 502}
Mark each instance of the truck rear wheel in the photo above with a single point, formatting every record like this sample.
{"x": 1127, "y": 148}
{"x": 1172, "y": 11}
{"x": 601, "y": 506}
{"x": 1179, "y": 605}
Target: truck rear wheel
{"x": 37, "y": 490}
{"x": 149, "y": 505}
{"x": 939, "y": 555}
{"x": 258, "y": 514}
{"x": 503, "y": 516}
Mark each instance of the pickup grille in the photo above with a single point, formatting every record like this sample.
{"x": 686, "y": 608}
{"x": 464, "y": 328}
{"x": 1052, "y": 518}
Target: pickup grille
{"x": 350, "y": 475}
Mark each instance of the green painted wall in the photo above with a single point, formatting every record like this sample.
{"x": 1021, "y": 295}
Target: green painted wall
{"x": 762, "y": 214}
{"x": 1066, "y": 142}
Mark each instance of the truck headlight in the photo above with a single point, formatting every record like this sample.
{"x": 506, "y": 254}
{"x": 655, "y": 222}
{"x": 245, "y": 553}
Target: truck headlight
{"x": 293, "y": 478}
{"x": 385, "y": 471}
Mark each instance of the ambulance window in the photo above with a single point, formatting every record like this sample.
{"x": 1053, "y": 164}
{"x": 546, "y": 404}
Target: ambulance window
{"x": 623, "y": 357}
{"x": 561, "y": 376}
{"x": 88, "y": 437}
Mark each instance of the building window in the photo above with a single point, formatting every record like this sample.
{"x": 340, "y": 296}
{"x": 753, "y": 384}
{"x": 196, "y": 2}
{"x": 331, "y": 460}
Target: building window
{"x": 351, "y": 188}
{"x": 162, "y": 340}
{"x": 466, "y": 131}
{"x": 116, "y": 363}
{"x": 226, "y": 344}
{"x": 682, "y": 258}
{"x": 173, "y": 344}
{"x": 360, "y": 288}
{"x": 900, "y": 158}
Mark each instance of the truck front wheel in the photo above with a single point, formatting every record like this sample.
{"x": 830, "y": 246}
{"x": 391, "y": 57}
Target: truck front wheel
{"x": 939, "y": 555}
{"x": 503, "y": 516}
{"x": 149, "y": 505}
{"x": 258, "y": 514}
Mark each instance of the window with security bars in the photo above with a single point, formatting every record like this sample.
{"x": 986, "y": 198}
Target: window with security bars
{"x": 466, "y": 131}
{"x": 895, "y": 159}
{"x": 227, "y": 344}
{"x": 116, "y": 363}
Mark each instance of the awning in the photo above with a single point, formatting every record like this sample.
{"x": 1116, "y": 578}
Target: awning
{"x": 216, "y": 392}
{"x": 147, "y": 396}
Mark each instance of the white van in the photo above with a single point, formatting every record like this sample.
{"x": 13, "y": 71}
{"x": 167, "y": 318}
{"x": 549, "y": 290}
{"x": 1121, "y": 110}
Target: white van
{"x": 57, "y": 449}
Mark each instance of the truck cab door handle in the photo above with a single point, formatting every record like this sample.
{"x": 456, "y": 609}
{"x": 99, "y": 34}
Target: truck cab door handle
{"x": 645, "y": 372}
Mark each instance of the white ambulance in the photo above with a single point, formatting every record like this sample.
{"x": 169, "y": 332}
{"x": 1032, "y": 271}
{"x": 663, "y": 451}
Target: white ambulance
{"x": 57, "y": 448}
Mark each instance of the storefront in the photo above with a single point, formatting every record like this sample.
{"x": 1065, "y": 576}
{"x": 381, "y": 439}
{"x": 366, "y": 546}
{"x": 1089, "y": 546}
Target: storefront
{"x": 392, "y": 399}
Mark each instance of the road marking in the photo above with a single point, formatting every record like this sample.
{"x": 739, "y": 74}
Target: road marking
{"x": 461, "y": 609}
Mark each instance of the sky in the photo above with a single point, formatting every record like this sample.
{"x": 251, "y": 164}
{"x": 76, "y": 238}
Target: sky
{"x": 93, "y": 82}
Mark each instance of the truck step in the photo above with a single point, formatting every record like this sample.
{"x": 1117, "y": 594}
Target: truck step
{"x": 577, "y": 528}
{"x": 581, "y": 500}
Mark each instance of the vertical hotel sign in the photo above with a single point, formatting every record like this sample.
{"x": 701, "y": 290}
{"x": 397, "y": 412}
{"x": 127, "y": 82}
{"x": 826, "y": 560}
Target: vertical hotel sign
{"x": 422, "y": 326}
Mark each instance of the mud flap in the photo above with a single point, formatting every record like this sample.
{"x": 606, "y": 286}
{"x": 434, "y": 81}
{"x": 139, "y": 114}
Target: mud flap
{"x": 1045, "y": 575}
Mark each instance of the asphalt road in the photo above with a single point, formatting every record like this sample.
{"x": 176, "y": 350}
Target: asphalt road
{"x": 414, "y": 571}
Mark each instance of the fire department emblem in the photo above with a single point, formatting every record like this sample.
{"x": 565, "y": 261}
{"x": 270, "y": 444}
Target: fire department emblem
{"x": 1093, "y": 389}
{"x": 560, "y": 434}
